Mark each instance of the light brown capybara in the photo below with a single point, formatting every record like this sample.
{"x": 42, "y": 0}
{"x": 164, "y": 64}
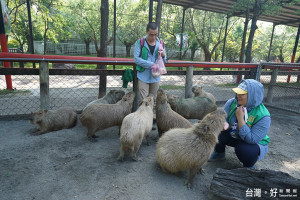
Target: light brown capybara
{"x": 112, "y": 97}
{"x": 101, "y": 116}
{"x": 135, "y": 127}
{"x": 166, "y": 118}
{"x": 53, "y": 120}
{"x": 182, "y": 149}
{"x": 191, "y": 108}
{"x": 198, "y": 91}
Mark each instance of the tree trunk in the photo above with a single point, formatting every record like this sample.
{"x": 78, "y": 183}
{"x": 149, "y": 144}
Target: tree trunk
{"x": 256, "y": 13}
{"x": 103, "y": 45}
{"x": 128, "y": 47}
{"x": 87, "y": 47}
{"x": 243, "y": 182}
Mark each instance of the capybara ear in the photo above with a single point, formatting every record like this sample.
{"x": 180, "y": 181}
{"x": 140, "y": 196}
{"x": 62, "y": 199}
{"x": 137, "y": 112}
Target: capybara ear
{"x": 206, "y": 128}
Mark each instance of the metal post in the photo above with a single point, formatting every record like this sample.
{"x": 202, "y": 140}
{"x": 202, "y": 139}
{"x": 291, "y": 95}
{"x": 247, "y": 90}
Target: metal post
{"x": 4, "y": 49}
{"x": 150, "y": 10}
{"x": 294, "y": 50}
{"x": 189, "y": 81}
{"x": 268, "y": 60}
{"x": 225, "y": 36}
{"x": 30, "y": 29}
{"x": 158, "y": 13}
{"x": 44, "y": 86}
{"x": 114, "y": 42}
{"x": 272, "y": 85}
{"x": 181, "y": 36}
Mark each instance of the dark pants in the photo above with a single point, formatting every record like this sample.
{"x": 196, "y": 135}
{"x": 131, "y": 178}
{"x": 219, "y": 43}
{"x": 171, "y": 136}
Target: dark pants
{"x": 246, "y": 153}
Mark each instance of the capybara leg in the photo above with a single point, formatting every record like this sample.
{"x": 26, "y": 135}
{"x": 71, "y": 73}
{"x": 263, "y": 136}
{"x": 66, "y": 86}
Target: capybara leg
{"x": 159, "y": 132}
{"x": 119, "y": 130}
{"x": 192, "y": 174}
{"x": 121, "y": 156}
{"x": 133, "y": 154}
{"x": 148, "y": 140}
{"x": 91, "y": 135}
{"x": 201, "y": 171}
{"x": 38, "y": 133}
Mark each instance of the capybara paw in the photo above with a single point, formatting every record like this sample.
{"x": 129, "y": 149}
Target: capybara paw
{"x": 92, "y": 139}
{"x": 201, "y": 171}
{"x": 35, "y": 133}
{"x": 134, "y": 158}
{"x": 95, "y": 136}
{"x": 189, "y": 185}
{"x": 120, "y": 158}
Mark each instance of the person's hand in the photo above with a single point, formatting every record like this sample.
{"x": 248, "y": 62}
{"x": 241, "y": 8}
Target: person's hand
{"x": 162, "y": 54}
{"x": 154, "y": 66}
{"x": 225, "y": 126}
{"x": 239, "y": 113}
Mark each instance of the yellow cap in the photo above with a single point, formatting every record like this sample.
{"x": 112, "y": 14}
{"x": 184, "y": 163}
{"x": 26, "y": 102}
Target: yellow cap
{"x": 241, "y": 88}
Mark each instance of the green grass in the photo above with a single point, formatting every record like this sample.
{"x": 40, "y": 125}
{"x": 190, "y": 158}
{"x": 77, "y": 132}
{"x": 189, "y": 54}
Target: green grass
{"x": 227, "y": 85}
{"x": 171, "y": 87}
{"x": 5, "y": 91}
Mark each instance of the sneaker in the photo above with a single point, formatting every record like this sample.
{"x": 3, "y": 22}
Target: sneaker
{"x": 252, "y": 167}
{"x": 215, "y": 156}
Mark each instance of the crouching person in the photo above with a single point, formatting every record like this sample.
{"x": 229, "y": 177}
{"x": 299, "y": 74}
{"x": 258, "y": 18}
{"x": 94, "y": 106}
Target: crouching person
{"x": 249, "y": 122}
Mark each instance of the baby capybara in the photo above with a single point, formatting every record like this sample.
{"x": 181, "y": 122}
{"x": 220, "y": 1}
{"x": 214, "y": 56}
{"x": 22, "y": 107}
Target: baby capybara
{"x": 183, "y": 149}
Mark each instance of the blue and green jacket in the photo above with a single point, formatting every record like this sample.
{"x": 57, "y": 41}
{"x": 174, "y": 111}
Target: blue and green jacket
{"x": 147, "y": 61}
{"x": 258, "y": 124}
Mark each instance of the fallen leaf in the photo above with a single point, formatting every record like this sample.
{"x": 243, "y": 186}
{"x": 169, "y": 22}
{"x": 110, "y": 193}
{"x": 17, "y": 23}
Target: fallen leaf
{"x": 288, "y": 134}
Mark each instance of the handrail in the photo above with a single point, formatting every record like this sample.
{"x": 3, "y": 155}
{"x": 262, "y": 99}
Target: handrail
{"x": 17, "y": 57}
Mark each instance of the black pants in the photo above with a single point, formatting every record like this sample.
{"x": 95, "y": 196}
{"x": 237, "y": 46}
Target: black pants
{"x": 246, "y": 153}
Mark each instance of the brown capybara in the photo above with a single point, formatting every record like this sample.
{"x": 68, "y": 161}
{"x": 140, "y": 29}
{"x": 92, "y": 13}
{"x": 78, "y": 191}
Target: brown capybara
{"x": 112, "y": 97}
{"x": 182, "y": 149}
{"x": 53, "y": 120}
{"x": 198, "y": 91}
{"x": 166, "y": 118}
{"x": 135, "y": 127}
{"x": 191, "y": 108}
{"x": 101, "y": 116}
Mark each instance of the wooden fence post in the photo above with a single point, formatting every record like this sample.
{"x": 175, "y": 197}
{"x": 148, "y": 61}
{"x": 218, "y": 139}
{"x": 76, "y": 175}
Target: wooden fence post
{"x": 44, "y": 85}
{"x": 271, "y": 86}
{"x": 189, "y": 81}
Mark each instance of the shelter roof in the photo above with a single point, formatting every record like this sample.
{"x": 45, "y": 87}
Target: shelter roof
{"x": 289, "y": 15}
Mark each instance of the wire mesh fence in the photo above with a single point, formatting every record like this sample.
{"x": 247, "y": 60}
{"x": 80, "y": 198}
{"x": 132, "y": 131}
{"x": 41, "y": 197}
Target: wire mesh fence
{"x": 78, "y": 90}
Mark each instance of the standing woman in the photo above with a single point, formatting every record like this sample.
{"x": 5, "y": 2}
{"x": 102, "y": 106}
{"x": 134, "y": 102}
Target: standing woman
{"x": 145, "y": 56}
{"x": 249, "y": 122}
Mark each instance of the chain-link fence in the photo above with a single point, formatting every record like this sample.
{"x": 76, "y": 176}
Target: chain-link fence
{"x": 77, "y": 89}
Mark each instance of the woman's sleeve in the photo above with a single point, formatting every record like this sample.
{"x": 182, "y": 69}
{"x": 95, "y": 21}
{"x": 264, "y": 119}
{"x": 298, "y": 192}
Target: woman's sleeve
{"x": 257, "y": 132}
{"x": 137, "y": 59}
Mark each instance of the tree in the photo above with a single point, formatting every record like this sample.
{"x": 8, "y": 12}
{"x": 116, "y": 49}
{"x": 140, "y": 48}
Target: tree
{"x": 209, "y": 29}
{"x": 132, "y": 18}
{"x": 258, "y": 7}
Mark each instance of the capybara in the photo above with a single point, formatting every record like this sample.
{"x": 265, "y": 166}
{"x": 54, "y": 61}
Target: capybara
{"x": 191, "y": 108}
{"x": 53, "y": 120}
{"x": 135, "y": 127}
{"x": 198, "y": 91}
{"x": 112, "y": 97}
{"x": 101, "y": 116}
{"x": 166, "y": 118}
{"x": 183, "y": 149}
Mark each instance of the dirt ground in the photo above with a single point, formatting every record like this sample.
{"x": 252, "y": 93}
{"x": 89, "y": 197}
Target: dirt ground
{"x": 64, "y": 165}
